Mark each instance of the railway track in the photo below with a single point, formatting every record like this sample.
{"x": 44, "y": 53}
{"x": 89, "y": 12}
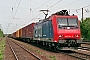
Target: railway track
{"x": 87, "y": 43}
{"x": 85, "y": 48}
{"x": 21, "y": 53}
{"x": 78, "y": 55}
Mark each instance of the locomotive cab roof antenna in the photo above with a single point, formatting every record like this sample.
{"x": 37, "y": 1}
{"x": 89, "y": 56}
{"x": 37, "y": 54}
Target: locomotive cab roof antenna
{"x": 45, "y": 13}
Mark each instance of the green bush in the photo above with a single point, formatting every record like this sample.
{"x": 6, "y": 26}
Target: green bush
{"x": 85, "y": 29}
{"x": 2, "y": 47}
{"x": 1, "y": 33}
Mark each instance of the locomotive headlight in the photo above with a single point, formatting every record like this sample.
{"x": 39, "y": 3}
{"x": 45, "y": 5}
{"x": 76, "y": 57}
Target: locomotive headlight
{"x": 60, "y": 36}
{"x": 55, "y": 41}
{"x": 76, "y": 35}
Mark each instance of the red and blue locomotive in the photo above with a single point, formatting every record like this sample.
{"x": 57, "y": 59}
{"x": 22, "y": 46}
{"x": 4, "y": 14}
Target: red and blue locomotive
{"x": 60, "y": 30}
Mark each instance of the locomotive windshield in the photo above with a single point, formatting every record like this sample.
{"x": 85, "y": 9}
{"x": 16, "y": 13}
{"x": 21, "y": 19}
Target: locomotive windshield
{"x": 72, "y": 21}
{"x": 65, "y": 22}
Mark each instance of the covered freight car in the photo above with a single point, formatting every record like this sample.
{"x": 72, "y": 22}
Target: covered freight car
{"x": 25, "y": 33}
{"x": 29, "y": 32}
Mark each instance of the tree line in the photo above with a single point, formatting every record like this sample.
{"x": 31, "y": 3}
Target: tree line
{"x": 85, "y": 29}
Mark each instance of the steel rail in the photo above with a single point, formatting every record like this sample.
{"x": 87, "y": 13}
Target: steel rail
{"x": 28, "y": 51}
{"x": 13, "y": 51}
{"x": 85, "y": 48}
{"x": 78, "y": 57}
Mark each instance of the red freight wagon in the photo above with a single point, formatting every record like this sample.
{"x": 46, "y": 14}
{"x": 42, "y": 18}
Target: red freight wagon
{"x": 29, "y": 30}
{"x": 14, "y": 35}
{"x": 20, "y": 33}
{"x": 24, "y": 32}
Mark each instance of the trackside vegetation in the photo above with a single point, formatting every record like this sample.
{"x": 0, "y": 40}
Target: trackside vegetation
{"x": 1, "y": 33}
{"x": 2, "y": 47}
{"x": 85, "y": 29}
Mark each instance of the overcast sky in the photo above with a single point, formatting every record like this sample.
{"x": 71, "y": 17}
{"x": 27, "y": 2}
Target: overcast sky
{"x": 15, "y": 14}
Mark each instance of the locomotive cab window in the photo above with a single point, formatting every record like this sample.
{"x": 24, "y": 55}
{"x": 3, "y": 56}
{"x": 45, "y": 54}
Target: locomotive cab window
{"x": 67, "y": 22}
{"x": 73, "y": 21}
{"x": 62, "y": 21}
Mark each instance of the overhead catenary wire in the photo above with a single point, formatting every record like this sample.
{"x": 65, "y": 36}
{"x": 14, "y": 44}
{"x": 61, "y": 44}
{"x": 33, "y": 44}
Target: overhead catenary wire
{"x": 51, "y": 5}
{"x": 17, "y": 8}
{"x": 65, "y": 5}
{"x": 15, "y": 3}
{"x": 41, "y": 4}
{"x": 69, "y": 4}
{"x": 12, "y": 14}
{"x": 32, "y": 19}
{"x": 54, "y": 4}
{"x": 16, "y": 11}
{"x": 45, "y": 4}
{"x": 80, "y": 8}
{"x": 37, "y": 7}
{"x": 48, "y": 8}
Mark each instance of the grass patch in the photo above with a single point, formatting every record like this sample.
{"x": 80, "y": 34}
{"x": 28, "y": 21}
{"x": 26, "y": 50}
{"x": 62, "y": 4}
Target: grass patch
{"x": 1, "y": 33}
{"x": 52, "y": 57}
{"x": 2, "y": 46}
{"x": 38, "y": 51}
